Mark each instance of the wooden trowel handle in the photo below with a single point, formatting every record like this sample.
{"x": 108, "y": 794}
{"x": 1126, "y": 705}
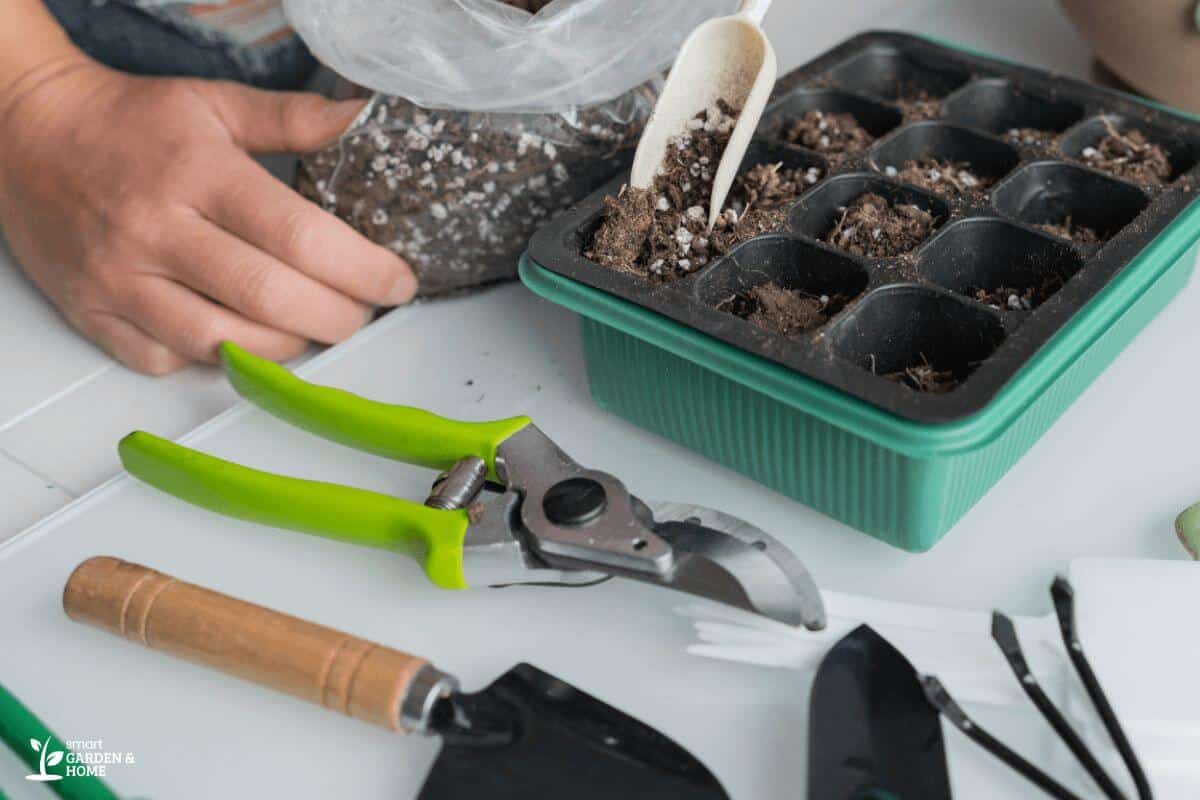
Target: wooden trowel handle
{"x": 324, "y": 666}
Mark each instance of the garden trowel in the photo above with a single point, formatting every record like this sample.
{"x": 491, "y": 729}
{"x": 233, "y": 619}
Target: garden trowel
{"x": 872, "y": 733}
{"x": 526, "y": 735}
{"x": 727, "y": 59}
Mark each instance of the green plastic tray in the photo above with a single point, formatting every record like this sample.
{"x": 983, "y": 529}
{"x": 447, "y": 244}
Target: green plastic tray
{"x": 903, "y": 481}
{"x": 899, "y": 481}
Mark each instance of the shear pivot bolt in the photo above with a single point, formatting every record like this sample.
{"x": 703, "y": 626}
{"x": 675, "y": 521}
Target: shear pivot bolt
{"x": 458, "y": 487}
{"x": 574, "y": 501}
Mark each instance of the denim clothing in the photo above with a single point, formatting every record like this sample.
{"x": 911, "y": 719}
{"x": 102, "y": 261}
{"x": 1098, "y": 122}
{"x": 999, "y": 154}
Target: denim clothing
{"x": 163, "y": 40}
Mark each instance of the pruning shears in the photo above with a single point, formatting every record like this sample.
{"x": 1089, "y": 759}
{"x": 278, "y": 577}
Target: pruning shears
{"x": 509, "y": 507}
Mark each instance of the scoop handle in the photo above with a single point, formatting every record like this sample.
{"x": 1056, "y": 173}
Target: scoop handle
{"x": 755, "y": 9}
{"x": 353, "y": 676}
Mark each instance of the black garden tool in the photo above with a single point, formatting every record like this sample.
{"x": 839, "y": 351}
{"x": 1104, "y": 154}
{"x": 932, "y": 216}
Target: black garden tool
{"x": 872, "y": 733}
{"x": 1005, "y": 636}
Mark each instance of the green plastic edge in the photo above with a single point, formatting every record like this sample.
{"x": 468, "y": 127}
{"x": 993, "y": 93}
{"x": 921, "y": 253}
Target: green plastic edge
{"x": 913, "y": 439}
{"x": 18, "y": 725}
{"x": 1187, "y": 526}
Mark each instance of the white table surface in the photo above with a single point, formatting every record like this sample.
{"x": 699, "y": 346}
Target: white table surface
{"x": 1106, "y": 480}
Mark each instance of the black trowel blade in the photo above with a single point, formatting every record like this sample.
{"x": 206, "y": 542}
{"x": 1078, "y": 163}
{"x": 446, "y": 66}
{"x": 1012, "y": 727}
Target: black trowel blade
{"x": 872, "y": 733}
{"x": 530, "y": 735}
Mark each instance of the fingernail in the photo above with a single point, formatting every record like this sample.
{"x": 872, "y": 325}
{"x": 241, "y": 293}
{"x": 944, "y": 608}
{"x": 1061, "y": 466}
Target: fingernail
{"x": 402, "y": 290}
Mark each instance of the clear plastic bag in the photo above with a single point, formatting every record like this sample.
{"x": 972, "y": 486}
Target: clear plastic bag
{"x": 486, "y": 55}
{"x": 458, "y": 194}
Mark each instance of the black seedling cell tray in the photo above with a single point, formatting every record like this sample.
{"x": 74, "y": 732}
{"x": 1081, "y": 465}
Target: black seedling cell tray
{"x": 925, "y": 306}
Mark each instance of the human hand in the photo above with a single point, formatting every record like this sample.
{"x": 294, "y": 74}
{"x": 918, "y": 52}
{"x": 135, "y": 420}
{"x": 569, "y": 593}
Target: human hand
{"x": 134, "y": 206}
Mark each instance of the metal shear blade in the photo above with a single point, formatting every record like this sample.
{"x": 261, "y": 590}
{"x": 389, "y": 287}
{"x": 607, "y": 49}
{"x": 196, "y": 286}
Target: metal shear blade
{"x": 577, "y": 518}
{"x": 730, "y": 560}
{"x": 716, "y": 556}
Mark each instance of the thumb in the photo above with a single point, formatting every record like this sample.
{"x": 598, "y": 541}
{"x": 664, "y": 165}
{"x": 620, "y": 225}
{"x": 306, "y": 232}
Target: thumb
{"x": 278, "y": 122}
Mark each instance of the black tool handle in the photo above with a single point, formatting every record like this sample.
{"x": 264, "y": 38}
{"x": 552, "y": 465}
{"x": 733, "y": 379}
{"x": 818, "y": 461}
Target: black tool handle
{"x": 1064, "y": 608}
{"x": 1005, "y": 635}
{"x": 940, "y": 699}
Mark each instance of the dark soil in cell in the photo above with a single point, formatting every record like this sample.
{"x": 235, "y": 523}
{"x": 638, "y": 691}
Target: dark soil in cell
{"x": 661, "y": 233}
{"x": 1030, "y": 137}
{"x": 654, "y": 231}
{"x": 834, "y": 135}
{"x": 925, "y": 377}
{"x": 786, "y": 311}
{"x": 1007, "y": 298}
{"x": 1069, "y": 230}
{"x": 1004, "y": 298}
{"x": 871, "y": 226}
{"x": 623, "y": 235}
{"x": 1130, "y": 155}
{"x": 953, "y": 178}
{"x": 919, "y": 105}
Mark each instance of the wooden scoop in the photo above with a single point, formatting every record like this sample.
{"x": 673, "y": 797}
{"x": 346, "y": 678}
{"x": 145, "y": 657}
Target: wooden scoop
{"x": 727, "y": 58}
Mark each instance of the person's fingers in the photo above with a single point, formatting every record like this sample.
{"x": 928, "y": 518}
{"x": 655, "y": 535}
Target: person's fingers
{"x": 238, "y": 275}
{"x": 278, "y": 122}
{"x": 272, "y": 217}
{"x": 128, "y": 344}
{"x": 194, "y": 326}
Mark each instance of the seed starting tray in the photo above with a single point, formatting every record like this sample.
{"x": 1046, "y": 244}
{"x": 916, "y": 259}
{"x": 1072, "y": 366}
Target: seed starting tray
{"x": 812, "y": 415}
{"x": 919, "y": 306}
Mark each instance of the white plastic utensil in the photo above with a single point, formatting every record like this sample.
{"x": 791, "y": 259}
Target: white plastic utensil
{"x": 726, "y": 58}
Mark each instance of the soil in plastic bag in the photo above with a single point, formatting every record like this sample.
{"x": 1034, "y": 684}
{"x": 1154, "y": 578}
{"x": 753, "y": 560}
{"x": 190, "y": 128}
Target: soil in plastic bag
{"x": 458, "y": 194}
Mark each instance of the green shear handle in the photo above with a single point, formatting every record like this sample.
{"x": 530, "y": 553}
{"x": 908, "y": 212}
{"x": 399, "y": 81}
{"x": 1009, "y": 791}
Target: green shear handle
{"x": 397, "y": 432}
{"x": 432, "y": 536}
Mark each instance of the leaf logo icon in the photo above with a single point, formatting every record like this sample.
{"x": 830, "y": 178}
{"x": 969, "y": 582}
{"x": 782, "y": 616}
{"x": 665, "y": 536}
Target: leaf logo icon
{"x": 48, "y": 759}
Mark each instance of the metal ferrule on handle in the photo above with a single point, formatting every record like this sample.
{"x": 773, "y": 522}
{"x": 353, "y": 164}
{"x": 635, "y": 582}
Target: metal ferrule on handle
{"x": 324, "y": 666}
